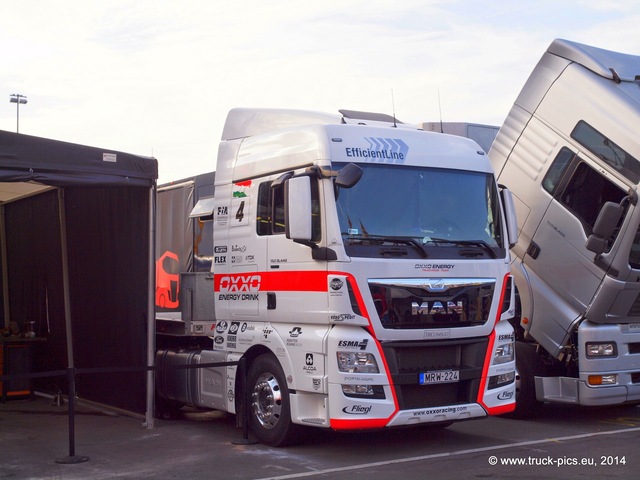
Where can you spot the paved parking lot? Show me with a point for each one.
(203, 445)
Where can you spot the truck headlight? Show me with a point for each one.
(364, 391)
(357, 362)
(501, 380)
(601, 349)
(503, 354)
(354, 390)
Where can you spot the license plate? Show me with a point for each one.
(439, 376)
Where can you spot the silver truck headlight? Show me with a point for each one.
(601, 349)
(357, 362)
(504, 354)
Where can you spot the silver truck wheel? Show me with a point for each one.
(266, 400)
(270, 412)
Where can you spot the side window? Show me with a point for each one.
(586, 192)
(606, 150)
(278, 209)
(270, 218)
(263, 215)
(270, 214)
(553, 177)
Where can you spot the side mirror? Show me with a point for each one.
(510, 216)
(348, 176)
(604, 227)
(298, 212)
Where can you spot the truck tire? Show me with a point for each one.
(270, 407)
(167, 409)
(527, 367)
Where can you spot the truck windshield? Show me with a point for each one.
(419, 212)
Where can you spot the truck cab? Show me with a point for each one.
(569, 152)
(361, 270)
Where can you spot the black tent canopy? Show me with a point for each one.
(25, 158)
(77, 238)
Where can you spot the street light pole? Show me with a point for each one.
(18, 99)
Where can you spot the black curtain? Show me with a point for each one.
(108, 251)
(108, 248)
(35, 280)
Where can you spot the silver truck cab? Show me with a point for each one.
(569, 151)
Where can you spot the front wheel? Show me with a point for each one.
(270, 406)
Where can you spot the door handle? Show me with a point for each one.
(271, 300)
(534, 250)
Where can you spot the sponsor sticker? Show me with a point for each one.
(221, 327)
(506, 395)
(309, 367)
(357, 409)
(341, 317)
(362, 344)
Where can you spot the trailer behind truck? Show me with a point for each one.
(361, 268)
(184, 256)
(569, 151)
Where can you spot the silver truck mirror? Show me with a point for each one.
(298, 208)
(604, 227)
(511, 219)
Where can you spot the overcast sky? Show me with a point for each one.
(157, 78)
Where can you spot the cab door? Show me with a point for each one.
(239, 254)
(562, 272)
(296, 283)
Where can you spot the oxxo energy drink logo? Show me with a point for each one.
(383, 150)
(239, 287)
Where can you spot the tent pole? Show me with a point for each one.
(5, 268)
(71, 371)
(151, 308)
(65, 276)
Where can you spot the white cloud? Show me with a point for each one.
(158, 77)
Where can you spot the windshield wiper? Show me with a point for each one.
(467, 243)
(403, 240)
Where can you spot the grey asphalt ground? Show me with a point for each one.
(34, 438)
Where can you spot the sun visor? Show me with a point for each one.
(204, 208)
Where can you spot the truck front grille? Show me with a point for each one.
(432, 303)
(406, 360)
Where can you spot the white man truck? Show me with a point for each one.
(569, 151)
(361, 268)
